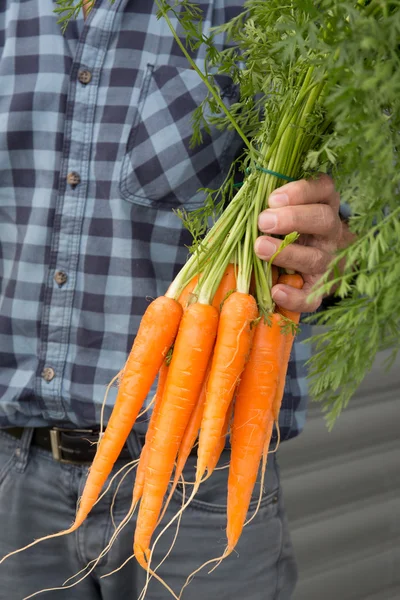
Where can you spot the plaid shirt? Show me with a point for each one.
(94, 155)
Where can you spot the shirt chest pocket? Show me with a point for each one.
(160, 169)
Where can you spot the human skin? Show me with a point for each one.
(312, 209)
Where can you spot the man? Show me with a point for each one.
(94, 155)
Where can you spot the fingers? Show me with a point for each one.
(308, 260)
(315, 219)
(311, 208)
(312, 191)
(295, 300)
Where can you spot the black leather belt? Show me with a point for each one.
(73, 446)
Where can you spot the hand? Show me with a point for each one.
(312, 209)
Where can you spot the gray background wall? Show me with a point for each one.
(342, 494)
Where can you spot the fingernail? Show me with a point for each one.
(264, 248)
(267, 221)
(279, 296)
(277, 200)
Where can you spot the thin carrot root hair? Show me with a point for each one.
(145, 559)
(278, 441)
(245, 325)
(148, 407)
(53, 535)
(136, 462)
(167, 502)
(160, 580)
(103, 404)
(263, 470)
(217, 560)
(148, 575)
(131, 464)
(39, 540)
(221, 443)
(203, 480)
(221, 468)
(226, 553)
(118, 568)
(93, 563)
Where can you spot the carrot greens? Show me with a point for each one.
(319, 92)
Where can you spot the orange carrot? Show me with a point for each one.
(140, 473)
(274, 274)
(268, 436)
(295, 281)
(191, 431)
(154, 338)
(253, 406)
(227, 285)
(192, 351)
(141, 469)
(231, 350)
(216, 454)
(188, 440)
(187, 293)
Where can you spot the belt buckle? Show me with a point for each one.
(55, 443)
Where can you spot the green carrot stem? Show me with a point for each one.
(210, 246)
(245, 260)
(308, 109)
(288, 117)
(206, 290)
(263, 287)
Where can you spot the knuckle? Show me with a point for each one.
(327, 184)
(302, 190)
(318, 261)
(329, 192)
(290, 220)
(327, 218)
(288, 256)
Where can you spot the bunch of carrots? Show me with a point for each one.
(221, 365)
(221, 355)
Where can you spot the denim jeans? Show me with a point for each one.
(38, 496)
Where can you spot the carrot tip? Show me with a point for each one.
(142, 555)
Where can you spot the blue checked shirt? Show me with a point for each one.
(94, 155)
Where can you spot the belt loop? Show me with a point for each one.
(134, 445)
(22, 450)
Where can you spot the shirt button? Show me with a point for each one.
(84, 76)
(60, 278)
(48, 374)
(73, 179)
